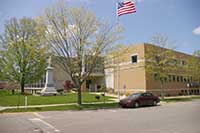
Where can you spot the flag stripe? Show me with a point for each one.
(126, 7)
(128, 12)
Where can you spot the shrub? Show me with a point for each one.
(110, 90)
(127, 93)
(68, 85)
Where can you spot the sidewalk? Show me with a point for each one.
(49, 105)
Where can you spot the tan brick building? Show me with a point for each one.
(131, 75)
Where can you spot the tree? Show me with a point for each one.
(193, 66)
(22, 52)
(79, 39)
(160, 60)
(197, 53)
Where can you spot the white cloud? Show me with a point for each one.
(196, 31)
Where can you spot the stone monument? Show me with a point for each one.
(49, 88)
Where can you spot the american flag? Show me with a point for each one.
(126, 7)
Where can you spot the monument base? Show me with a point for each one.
(49, 91)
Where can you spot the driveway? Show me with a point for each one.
(169, 118)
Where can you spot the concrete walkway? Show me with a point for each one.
(49, 105)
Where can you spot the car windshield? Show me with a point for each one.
(134, 95)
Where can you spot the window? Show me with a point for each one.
(156, 76)
(177, 78)
(182, 91)
(134, 58)
(174, 78)
(186, 92)
(185, 79)
(191, 79)
(170, 78)
(181, 78)
(157, 59)
(165, 79)
(173, 62)
(183, 62)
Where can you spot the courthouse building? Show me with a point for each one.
(131, 76)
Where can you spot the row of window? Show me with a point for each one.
(190, 92)
(172, 61)
(176, 78)
(38, 84)
(134, 59)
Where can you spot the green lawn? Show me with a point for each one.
(7, 99)
(67, 107)
(180, 99)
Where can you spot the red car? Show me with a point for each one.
(139, 99)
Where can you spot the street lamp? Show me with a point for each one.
(188, 86)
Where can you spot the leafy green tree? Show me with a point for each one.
(80, 38)
(193, 66)
(160, 61)
(22, 52)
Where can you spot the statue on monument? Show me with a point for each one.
(49, 88)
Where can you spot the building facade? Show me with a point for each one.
(131, 75)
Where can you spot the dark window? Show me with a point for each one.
(188, 80)
(177, 78)
(185, 91)
(181, 78)
(174, 78)
(157, 59)
(165, 79)
(156, 76)
(134, 58)
(183, 62)
(185, 80)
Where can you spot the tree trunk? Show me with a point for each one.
(22, 84)
(162, 91)
(13, 91)
(79, 96)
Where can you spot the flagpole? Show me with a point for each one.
(117, 17)
(118, 60)
(118, 69)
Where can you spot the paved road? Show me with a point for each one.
(168, 118)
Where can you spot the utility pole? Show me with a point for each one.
(118, 78)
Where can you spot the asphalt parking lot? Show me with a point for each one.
(168, 118)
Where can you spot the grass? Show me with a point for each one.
(67, 107)
(7, 99)
(180, 99)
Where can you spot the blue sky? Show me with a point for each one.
(177, 19)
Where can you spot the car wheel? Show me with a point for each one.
(136, 105)
(154, 103)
